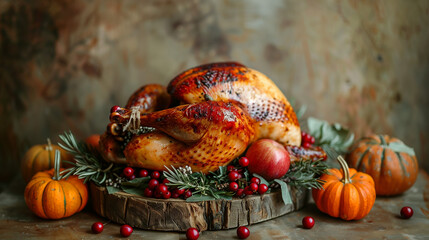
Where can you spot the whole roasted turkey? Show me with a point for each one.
(205, 118)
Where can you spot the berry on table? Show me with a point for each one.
(128, 172)
(406, 212)
(307, 222)
(126, 230)
(192, 234)
(97, 227)
(243, 232)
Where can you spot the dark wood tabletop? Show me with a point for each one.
(383, 222)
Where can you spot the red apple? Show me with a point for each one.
(268, 158)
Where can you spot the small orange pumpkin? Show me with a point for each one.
(40, 158)
(391, 163)
(52, 198)
(346, 193)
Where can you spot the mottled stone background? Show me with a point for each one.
(64, 63)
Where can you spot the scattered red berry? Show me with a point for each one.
(114, 109)
(148, 192)
(143, 173)
(155, 175)
(307, 222)
(255, 180)
(233, 186)
(153, 183)
(233, 176)
(243, 232)
(97, 227)
(187, 194)
(262, 188)
(128, 172)
(192, 234)
(126, 230)
(253, 187)
(406, 212)
(243, 161)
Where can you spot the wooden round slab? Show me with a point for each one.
(179, 215)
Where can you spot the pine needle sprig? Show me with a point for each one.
(87, 165)
(304, 173)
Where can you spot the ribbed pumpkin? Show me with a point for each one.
(40, 158)
(391, 163)
(346, 193)
(52, 198)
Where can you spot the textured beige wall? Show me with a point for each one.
(63, 64)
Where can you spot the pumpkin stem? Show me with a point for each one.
(345, 168)
(57, 162)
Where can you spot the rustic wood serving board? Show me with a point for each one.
(179, 215)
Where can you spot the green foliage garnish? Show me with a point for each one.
(306, 173)
(330, 135)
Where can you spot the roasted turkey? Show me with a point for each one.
(205, 118)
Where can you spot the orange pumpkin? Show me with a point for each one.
(40, 158)
(346, 193)
(52, 198)
(391, 163)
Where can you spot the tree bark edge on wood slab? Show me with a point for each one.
(179, 215)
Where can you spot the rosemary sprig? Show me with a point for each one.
(202, 184)
(88, 166)
(306, 174)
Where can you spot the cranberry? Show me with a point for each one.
(143, 173)
(233, 186)
(188, 194)
(175, 195)
(307, 222)
(306, 145)
(114, 108)
(307, 138)
(132, 177)
(253, 187)
(230, 168)
(128, 172)
(192, 234)
(255, 180)
(162, 188)
(166, 195)
(239, 192)
(157, 194)
(247, 191)
(303, 135)
(233, 176)
(126, 230)
(243, 232)
(406, 212)
(262, 188)
(148, 192)
(312, 140)
(155, 175)
(180, 191)
(165, 180)
(243, 161)
(97, 227)
(153, 183)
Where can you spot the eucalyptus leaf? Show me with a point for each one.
(285, 192)
(133, 190)
(334, 136)
(136, 182)
(112, 190)
(199, 197)
(401, 147)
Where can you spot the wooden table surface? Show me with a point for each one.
(383, 222)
